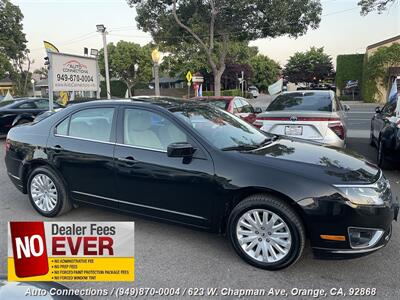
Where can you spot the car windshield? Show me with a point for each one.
(223, 130)
(308, 101)
(7, 102)
(222, 104)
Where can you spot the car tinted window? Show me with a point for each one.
(246, 108)
(146, 129)
(4, 103)
(389, 108)
(308, 101)
(62, 128)
(238, 106)
(222, 104)
(44, 104)
(92, 124)
(26, 105)
(221, 129)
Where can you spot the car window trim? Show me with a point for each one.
(182, 126)
(113, 135)
(83, 139)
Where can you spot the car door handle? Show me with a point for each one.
(57, 148)
(130, 160)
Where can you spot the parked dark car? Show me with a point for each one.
(385, 135)
(20, 111)
(191, 163)
(235, 105)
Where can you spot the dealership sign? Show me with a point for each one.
(73, 73)
(70, 251)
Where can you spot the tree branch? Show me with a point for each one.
(212, 23)
(197, 38)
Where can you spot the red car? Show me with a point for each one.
(235, 105)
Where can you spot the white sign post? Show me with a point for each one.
(72, 73)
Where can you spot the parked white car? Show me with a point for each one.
(254, 91)
(310, 114)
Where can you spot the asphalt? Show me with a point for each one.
(173, 256)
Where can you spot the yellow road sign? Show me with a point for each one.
(189, 76)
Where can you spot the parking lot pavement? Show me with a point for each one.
(173, 256)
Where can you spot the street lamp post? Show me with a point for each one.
(33, 87)
(155, 56)
(102, 29)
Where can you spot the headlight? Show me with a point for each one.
(362, 195)
(372, 194)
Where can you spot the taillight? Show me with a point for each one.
(306, 119)
(338, 129)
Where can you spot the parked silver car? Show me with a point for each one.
(310, 114)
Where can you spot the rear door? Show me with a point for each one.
(82, 147)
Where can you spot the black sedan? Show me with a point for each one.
(194, 164)
(385, 135)
(20, 111)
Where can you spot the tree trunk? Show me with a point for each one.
(217, 82)
(129, 90)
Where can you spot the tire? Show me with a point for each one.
(292, 227)
(381, 159)
(58, 202)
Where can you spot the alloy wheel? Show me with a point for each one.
(263, 235)
(44, 192)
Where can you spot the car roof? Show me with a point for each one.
(317, 92)
(164, 102)
(215, 98)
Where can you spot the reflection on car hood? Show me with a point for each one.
(329, 164)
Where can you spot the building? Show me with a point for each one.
(393, 71)
(6, 85)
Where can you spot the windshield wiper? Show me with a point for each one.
(241, 148)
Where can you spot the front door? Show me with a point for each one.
(151, 183)
(82, 148)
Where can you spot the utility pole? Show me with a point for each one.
(102, 29)
(155, 56)
(243, 84)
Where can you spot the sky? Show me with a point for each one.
(71, 25)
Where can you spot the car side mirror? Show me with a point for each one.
(378, 110)
(346, 107)
(257, 110)
(180, 150)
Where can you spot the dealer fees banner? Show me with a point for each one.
(71, 251)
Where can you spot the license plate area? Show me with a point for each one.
(293, 130)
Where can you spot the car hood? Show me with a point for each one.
(322, 163)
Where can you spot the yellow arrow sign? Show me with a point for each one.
(189, 76)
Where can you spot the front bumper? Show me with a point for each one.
(335, 218)
(328, 253)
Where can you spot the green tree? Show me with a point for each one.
(43, 72)
(309, 66)
(370, 5)
(13, 45)
(5, 66)
(128, 62)
(376, 70)
(265, 71)
(212, 25)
